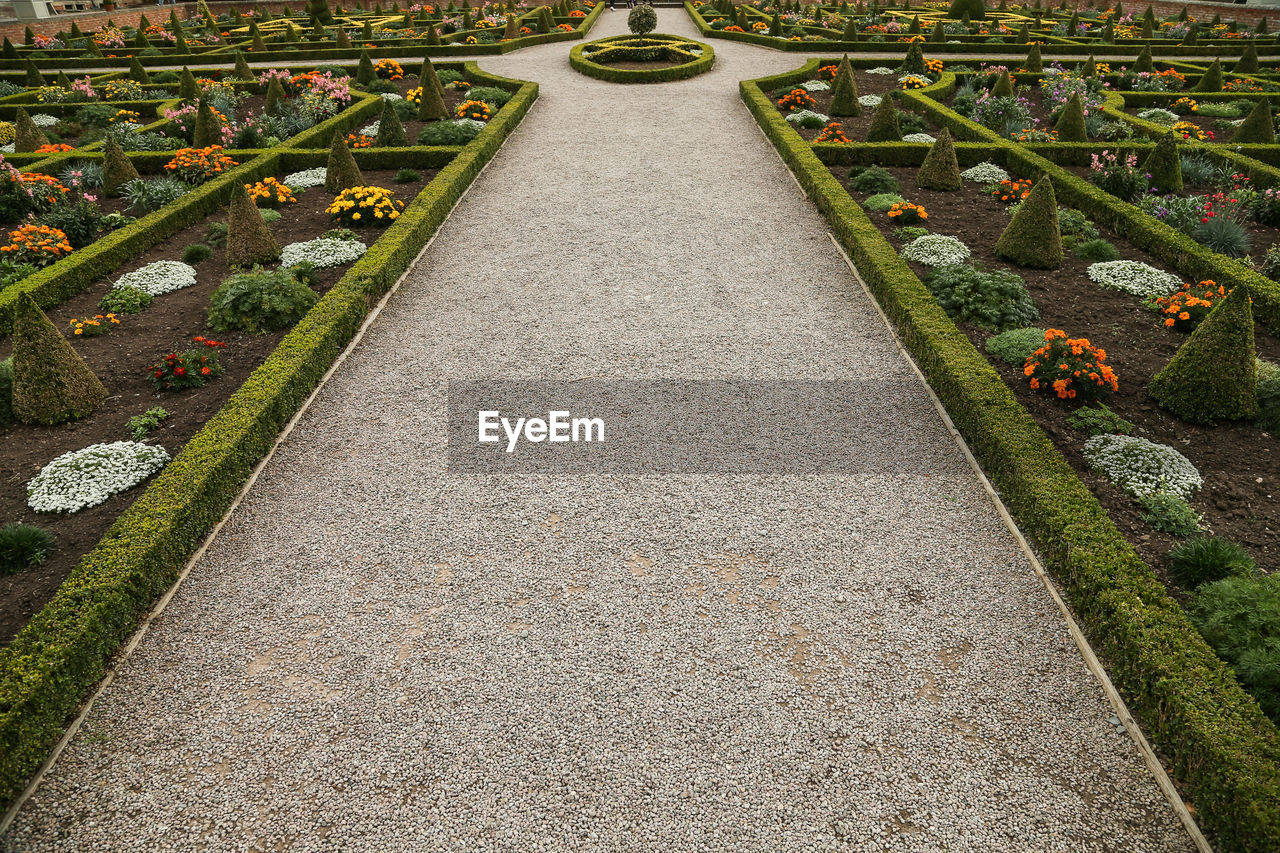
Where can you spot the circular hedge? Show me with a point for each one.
(594, 58)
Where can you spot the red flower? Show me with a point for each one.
(179, 371)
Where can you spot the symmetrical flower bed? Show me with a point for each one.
(1037, 303)
(651, 58)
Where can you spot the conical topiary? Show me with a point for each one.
(884, 123)
(26, 136)
(63, 81)
(275, 96)
(433, 38)
(257, 44)
(1213, 376)
(1164, 165)
(430, 103)
(914, 62)
(242, 70)
(390, 131)
(1034, 62)
(364, 69)
(1212, 79)
(51, 382)
(341, 172)
(180, 43)
(1033, 237)
(850, 30)
(34, 77)
(844, 91)
(1257, 126)
(1192, 38)
(137, 73)
(249, 241)
(188, 89)
(207, 130)
(11, 52)
(1090, 67)
(1070, 124)
(1003, 87)
(940, 171)
(117, 168)
(1143, 62)
(1248, 63)
(344, 40)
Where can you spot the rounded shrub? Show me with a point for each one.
(23, 546)
(458, 132)
(260, 301)
(1239, 617)
(874, 180)
(1205, 559)
(991, 299)
(1096, 251)
(880, 202)
(1015, 346)
(642, 19)
(1224, 236)
(195, 253)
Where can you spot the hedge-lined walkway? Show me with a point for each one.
(379, 654)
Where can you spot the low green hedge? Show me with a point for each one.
(1226, 753)
(690, 67)
(65, 648)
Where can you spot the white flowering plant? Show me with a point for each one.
(936, 250)
(808, 118)
(43, 120)
(1156, 115)
(306, 179)
(84, 478)
(880, 70)
(159, 277)
(815, 86)
(919, 137)
(371, 129)
(985, 173)
(1134, 277)
(323, 252)
(1142, 468)
(870, 101)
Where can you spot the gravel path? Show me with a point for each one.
(380, 654)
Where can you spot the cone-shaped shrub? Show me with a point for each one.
(140, 40)
(1213, 376)
(1003, 87)
(844, 91)
(512, 29)
(1033, 237)
(207, 130)
(1260, 30)
(258, 45)
(1212, 79)
(1148, 29)
(914, 63)
(1192, 38)
(29, 37)
(275, 96)
(545, 23)
(1090, 67)
(1248, 63)
(850, 30)
(249, 241)
(117, 168)
(90, 48)
(51, 382)
(34, 77)
(1143, 62)
(427, 76)
(137, 73)
(1070, 125)
(344, 40)
(341, 171)
(26, 136)
(938, 35)
(188, 89)
(366, 30)
(1034, 62)
(1257, 125)
(63, 80)
(884, 123)
(1164, 164)
(433, 38)
(11, 52)
(940, 171)
(242, 71)
(914, 28)
(390, 131)
(364, 70)
(180, 43)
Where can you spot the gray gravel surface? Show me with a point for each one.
(380, 654)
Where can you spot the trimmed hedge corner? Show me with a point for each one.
(1223, 749)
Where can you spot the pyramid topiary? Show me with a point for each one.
(364, 69)
(257, 44)
(51, 382)
(850, 30)
(9, 51)
(180, 43)
(1248, 63)
(940, 171)
(242, 70)
(207, 130)
(938, 35)
(63, 80)
(914, 63)
(1033, 237)
(390, 131)
(427, 76)
(341, 172)
(1213, 376)
(188, 89)
(844, 91)
(33, 77)
(1164, 165)
(117, 168)
(1143, 62)
(1070, 125)
(275, 96)
(1034, 62)
(1212, 79)
(1257, 126)
(884, 123)
(26, 136)
(1192, 38)
(249, 241)
(1003, 87)
(433, 38)
(137, 73)
(344, 40)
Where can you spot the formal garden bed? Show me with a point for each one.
(649, 58)
(1143, 469)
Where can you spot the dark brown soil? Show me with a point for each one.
(120, 360)
(854, 127)
(1238, 462)
(655, 65)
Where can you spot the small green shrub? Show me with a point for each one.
(124, 300)
(642, 19)
(1074, 226)
(269, 215)
(907, 233)
(260, 301)
(448, 76)
(874, 180)
(405, 176)
(1096, 250)
(1239, 616)
(1205, 559)
(491, 95)
(195, 253)
(80, 221)
(1170, 514)
(991, 299)
(1269, 396)
(880, 202)
(216, 234)
(1198, 170)
(140, 425)
(1098, 421)
(23, 546)
(1222, 235)
(380, 87)
(1016, 345)
(146, 196)
(448, 133)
